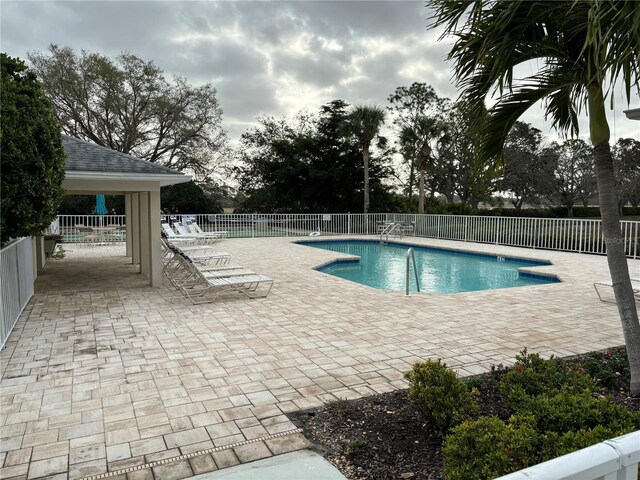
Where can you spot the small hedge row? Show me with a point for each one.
(556, 409)
(436, 207)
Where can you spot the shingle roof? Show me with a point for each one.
(83, 156)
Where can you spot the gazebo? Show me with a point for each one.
(91, 169)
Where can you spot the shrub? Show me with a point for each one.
(532, 375)
(488, 448)
(566, 412)
(444, 399)
(553, 444)
(608, 368)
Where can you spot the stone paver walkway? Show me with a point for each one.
(103, 373)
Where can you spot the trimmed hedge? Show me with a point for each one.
(557, 409)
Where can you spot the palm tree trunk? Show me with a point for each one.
(618, 266)
(365, 159)
(421, 192)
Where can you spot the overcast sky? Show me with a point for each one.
(264, 58)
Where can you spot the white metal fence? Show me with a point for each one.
(614, 459)
(91, 228)
(568, 234)
(16, 283)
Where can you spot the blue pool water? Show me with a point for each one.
(439, 270)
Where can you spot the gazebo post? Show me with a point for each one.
(145, 247)
(155, 255)
(127, 222)
(135, 229)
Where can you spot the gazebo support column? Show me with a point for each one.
(128, 221)
(135, 229)
(145, 267)
(155, 257)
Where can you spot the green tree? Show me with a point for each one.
(364, 123)
(574, 179)
(416, 145)
(32, 160)
(187, 197)
(578, 48)
(626, 163)
(408, 105)
(128, 105)
(461, 170)
(307, 165)
(528, 174)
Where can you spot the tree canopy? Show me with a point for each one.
(32, 160)
(307, 164)
(528, 174)
(129, 105)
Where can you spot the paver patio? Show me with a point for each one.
(103, 372)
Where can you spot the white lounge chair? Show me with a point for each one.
(635, 286)
(195, 228)
(183, 231)
(202, 255)
(204, 288)
(173, 237)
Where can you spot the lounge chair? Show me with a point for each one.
(635, 286)
(183, 231)
(172, 236)
(201, 287)
(202, 255)
(195, 228)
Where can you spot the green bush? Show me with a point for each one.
(566, 412)
(487, 448)
(436, 390)
(553, 444)
(532, 375)
(608, 368)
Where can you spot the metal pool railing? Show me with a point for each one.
(567, 234)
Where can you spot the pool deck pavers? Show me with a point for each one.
(104, 373)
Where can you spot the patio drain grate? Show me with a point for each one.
(190, 455)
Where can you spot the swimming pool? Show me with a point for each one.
(439, 270)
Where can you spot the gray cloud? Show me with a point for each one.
(269, 58)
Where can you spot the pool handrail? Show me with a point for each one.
(410, 254)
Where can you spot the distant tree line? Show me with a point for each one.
(416, 154)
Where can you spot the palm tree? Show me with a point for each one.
(415, 141)
(578, 48)
(364, 123)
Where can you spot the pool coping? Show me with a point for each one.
(526, 271)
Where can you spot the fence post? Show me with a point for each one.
(349, 223)
(438, 233)
(366, 218)
(253, 225)
(466, 227)
(580, 240)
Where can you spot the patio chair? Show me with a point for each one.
(635, 286)
(202, 255)
(203, 288)
(172, 236)
(183, 231)
(195, 228)
(184, 275)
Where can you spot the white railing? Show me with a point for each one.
(16, 283)
(91, 228)
(614, 459)
(567, 234)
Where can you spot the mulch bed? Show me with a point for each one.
(386, 437)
